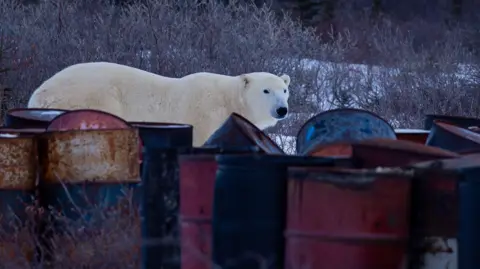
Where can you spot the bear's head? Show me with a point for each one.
(266, 98)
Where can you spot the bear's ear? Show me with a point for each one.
(286, 79)
(245, 79)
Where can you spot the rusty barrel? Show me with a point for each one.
(238, 132)
(453, 138)
(198, 169)
(18, 164)
(161, 145)
(341, 125)
(89, 188)
(380, 152)
(31, 117)
(415, 135)
(459, 121)
(343, 219)
(249, 208)
(444, 227)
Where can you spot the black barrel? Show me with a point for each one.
(249, 208)
(453, 138)
(162, 142)
(89, 189)
(469, 218)
(31, 117)
(463, 122)
(238, 132)
(341, 125)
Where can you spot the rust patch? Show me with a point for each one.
(18, 159)
(105, 156)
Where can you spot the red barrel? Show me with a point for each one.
(347, 219)
(197, 178)
(415, 135)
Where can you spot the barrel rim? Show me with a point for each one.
(11, 112)
(22, 131)
(96, 111)
(49, 133)
(307, 171)
(158, 125)
(280, 159)
(455, 130)
(415, 131)
(451, 117)
(307, 123)
(20, 136)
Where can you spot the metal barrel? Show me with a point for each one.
(459, 121)
(343, 218)
(18, 165)
(89, 189)
(198, 169)
(453, 138)
(5, 131)
(341, 125)
(30, 117)
(161, 145)
(415, 135)
(238, 132)
(249, 209)
(377, 152)
(435, 203)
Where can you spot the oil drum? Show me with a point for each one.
(162, 143)
(89, 189)
(18, 118)
(198, 169)
(341, 125)
(18, 164)
(344, 218)
(414, 135)
(249, 208)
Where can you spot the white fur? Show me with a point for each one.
(203, 100)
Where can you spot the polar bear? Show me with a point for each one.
(204, 100)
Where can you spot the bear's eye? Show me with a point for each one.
(285, 91)
(266, 91)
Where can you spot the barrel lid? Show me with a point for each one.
(84, 119)
(163, 125)
(284, 160)
(40, 114)
(22, 130)
(342, 125)
(451, 119)
(466, 162)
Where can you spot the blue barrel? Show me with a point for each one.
(162, 142)
(31, 117)
(89, 189)
(341, 125)
(250, 206)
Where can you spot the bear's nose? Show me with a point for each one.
(282, 111)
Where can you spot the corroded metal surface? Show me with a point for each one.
(18, 163)
(453, 138)
(339, 149)
(83, 119)
(31, 117)
(238, 132)
(341, 125)
(344, 218)
(388, 153)
(89, 155)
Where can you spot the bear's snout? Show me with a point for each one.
(281, 112)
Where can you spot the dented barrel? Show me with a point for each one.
(162, 143)
(88, 185)
(463, 122)
(453, 138)
(198, 169)
(341, 125)
(249, 208)
(238, 132)
(18, 165)
(343, 218)
(30, 117)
